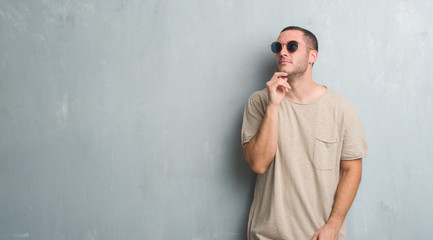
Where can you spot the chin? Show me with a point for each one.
(284, 69)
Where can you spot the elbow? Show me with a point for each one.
(258, 169)
(256, 164)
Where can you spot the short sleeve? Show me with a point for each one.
(354, 142)
(253, 115)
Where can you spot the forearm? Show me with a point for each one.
(260, 151)
(346, 191)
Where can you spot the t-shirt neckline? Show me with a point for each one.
(312, 103)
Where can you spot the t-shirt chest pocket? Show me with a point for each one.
(325, 153)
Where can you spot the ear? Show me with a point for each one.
(312, 56)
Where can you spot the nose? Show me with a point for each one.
(284, 51)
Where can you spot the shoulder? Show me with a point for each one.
(260, 97)
(339, 100)
(343, 107)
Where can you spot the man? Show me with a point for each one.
(305, 142)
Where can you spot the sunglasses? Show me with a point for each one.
(292, 46)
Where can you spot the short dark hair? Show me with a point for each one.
(310, 39)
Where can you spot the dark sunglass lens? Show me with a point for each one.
(276, 47)
(292, 46)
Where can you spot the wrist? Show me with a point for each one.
(335, 222)
(272, 107)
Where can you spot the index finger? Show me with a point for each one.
(280, 74)
(284, 82)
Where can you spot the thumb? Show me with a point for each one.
(315, 237)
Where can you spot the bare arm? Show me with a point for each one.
(261, 149)
(347, 187)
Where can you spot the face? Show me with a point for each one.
(296, 63)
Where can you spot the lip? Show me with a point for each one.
(284, 62)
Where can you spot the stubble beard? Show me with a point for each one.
(298, 71)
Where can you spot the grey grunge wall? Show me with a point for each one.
(121, 119)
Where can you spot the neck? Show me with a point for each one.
(304, 90)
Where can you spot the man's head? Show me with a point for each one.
(297, 62)
(310, 38)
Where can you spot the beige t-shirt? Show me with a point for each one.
(294, 197)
